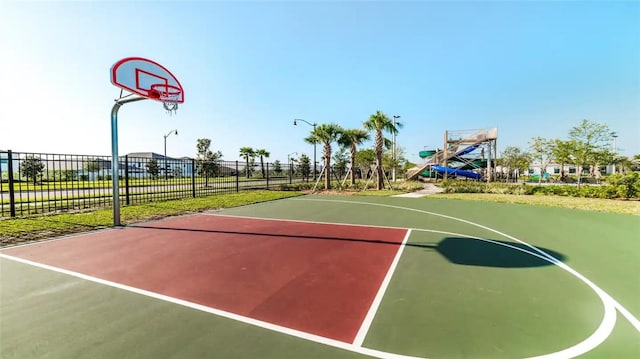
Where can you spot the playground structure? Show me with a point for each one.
(466, 153)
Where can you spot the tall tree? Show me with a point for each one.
(380, 123)
(588, 138)
(600, 158)
(92, 165)
(514, 158)
(206, 159)
(69, 175)
(263, 154)
(277, 167)
(351, 139)
(398, 162)
(325, 134)
(247, 153)
(31, 168)
(340, 161)
(305, 166)
(541, 151)
(153, 168)
(562, 154)
(365, 160)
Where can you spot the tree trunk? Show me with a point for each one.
(579, 171)
(353, 165)
(379, 144)
(262, 166)
(327, 166)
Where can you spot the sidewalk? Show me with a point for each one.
(429, 188)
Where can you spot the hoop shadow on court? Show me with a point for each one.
(457, 250)
(475, 252)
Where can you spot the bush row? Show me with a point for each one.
(405, 186)
(616, 186)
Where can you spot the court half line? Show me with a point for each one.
(373, 309)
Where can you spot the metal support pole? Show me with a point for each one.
(614, 135)
(115, 186)
(295, 123)
(12, 194)
(489, 162)
(393, 150)
(267, 175)
(193, 178)
(237, 178)
(446, 148)
(126, 178)
(166, 169)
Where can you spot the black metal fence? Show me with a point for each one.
(36, 183)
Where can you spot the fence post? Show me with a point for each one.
(290, 173)
(12, 195)
(193, 178)
(267, 175)
(237, 178)
(126, 178)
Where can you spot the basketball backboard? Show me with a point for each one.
(147, 78)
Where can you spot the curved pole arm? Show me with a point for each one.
(115, 186)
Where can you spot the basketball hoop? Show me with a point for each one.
(148, 80)
(169, 95)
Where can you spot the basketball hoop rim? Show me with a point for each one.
(169, 90)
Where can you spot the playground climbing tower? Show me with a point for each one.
(465, 153)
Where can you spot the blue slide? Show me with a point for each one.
(457, 172)
(467, 150)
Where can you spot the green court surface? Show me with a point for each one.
(466, 284)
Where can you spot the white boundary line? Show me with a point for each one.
(218, 312)
(373, 309)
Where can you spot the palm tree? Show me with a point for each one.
(352, 138)
(262, 153)
(379, 122)
(325, 134)
(247, 152)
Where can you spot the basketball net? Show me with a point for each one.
(169, 96)
(170, 105)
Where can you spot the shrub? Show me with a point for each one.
(408, 186)
(626, 186)
(451, 186)
(618, 186)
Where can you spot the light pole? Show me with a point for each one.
(165, 151)
(393, 150)
(289, 162)
(614, 135)
(314, 142)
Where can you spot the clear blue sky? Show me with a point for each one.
(250, 68)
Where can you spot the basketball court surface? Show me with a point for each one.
(331, 277)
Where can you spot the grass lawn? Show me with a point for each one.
(19, 230)
(587, 204)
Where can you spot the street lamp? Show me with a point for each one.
(165, 151)
(614, 135)
(393, 150)
(289, 161)
(314, 142)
